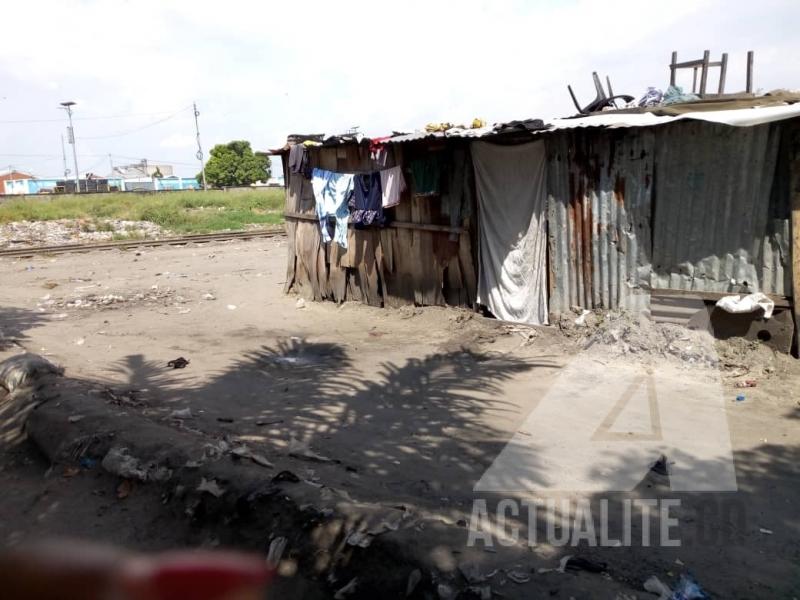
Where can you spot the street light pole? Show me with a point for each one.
(199, 147)
(64, 157)
(71, 139)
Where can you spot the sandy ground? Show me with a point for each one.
(412, 406)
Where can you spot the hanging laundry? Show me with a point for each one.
(332, 192)
(365, 202)
(457, 201)
(426, 173)
(393, 184)
(298, 160)
(378, 151)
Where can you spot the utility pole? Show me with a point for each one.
(64, 157)
(71, 139)
(199, 146)
(110, 166)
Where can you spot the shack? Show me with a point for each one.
(531, 220)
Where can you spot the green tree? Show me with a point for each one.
(234, 164)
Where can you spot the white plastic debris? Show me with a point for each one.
(301, 449)
(562, 566)
(581, 321)
(747, 304)
(518, 576)
(181, 413)
(245, 452)
(413, 580)
(655, 586)
(118, 461)
(231, 307)
(445, 592)
(210, 486)
(276, 550)
(19, 370)
(300, 303)
(765, 531)
(209, 297)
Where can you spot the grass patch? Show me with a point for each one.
(182, 212)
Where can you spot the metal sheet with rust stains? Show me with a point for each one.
(719, 225)
(599, 198)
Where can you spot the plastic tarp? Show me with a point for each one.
(510, 181)
(747, 304)
(742, 117)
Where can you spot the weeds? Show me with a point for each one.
(181, 212)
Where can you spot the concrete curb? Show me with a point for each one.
(331, 539)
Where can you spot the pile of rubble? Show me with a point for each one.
(155, 295)
(24, 234)
(618, 333)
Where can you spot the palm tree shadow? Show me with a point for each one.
(14, 322)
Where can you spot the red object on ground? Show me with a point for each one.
(197, 576)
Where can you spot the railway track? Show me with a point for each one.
(124, 244)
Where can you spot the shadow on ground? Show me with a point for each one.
(14, 322)
(428, 427)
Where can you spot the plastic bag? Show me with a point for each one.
(19, 370)
(748, 303)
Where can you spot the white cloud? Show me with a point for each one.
(261, 70)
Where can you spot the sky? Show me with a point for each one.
(261, 70)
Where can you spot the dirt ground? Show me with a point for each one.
(399, 408)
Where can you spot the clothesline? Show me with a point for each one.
(356, 198)
(394, 224)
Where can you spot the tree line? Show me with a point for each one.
(235, 164)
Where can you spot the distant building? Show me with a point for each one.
(58, 185)
(154, 184)
(140, 170)
(11, 175)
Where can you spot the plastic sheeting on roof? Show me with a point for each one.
(742, 117)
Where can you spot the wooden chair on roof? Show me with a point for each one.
(703, 65)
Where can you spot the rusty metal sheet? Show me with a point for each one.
(712, 228)
(599, 192)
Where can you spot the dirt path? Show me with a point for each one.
(410, 406)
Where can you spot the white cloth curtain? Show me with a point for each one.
(510, 181)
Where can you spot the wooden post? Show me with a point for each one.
(749, 88)
(672, 68)
(723, 69)
(704, 73)
(794, 190)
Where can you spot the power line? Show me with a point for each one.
(31, 155)
(96, 118)
(122, 133)
(97, 164)
(156, 160)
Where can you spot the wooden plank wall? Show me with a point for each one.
(392, 266)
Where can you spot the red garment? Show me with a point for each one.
(376, 144)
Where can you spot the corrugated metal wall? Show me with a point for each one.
(599, 197)
(715, 196)
(712, 228)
